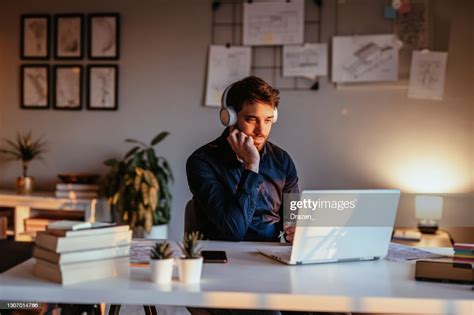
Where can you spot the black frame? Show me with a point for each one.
(88, 100)
(56, 38)
(22, 87)
(90, 35)
(22, 36)
(54, 87)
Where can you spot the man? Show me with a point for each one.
(238, 180)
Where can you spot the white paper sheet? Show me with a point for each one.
(365, 58)
(398, 252)
(427, 74)
(225, 66)
(308, 60)
(273, 23)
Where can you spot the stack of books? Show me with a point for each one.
(37, 224)
(71, 251)
(463, 252)
(77, 191)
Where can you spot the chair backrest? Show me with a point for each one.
(190, 219)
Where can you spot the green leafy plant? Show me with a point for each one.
(190, 245)
(161, 251)
(24, 149)
(137, 186)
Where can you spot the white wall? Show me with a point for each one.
(384, 140)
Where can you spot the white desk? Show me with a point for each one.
(45, 201)
(252, 281)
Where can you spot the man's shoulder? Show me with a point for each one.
(207, 151)
(278, 152)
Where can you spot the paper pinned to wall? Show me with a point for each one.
(367, 58)
(308, 60)
(225, 66)
(427, 74)
(273, 23)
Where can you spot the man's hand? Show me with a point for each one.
(290, 234)
(245, 149)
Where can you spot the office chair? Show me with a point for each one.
(190, 219)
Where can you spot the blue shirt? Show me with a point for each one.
(235, 204)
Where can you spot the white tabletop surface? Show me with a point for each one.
(252, 281)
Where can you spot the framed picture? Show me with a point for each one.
(34, 86)
(34, 37)
(68, 41)
(104, 36)
(67, 87)
(102, 90)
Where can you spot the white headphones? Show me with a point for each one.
(228, 115)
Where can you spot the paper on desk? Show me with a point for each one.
(398, 252)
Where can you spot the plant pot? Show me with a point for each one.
(24, 185)
(158, 232)
(161, 270)
(190, 269)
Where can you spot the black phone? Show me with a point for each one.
(442, 271)
(214, 256)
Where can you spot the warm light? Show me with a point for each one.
(430, 175)
(428, 207)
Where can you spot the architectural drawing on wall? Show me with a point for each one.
(68, 36)
(104, 30)
(35, 86)
(427, 75)
(225, 65)
(102, 87)
(365, 58)
(308, 60)
(273, 23)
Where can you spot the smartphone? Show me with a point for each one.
(441, 271)
(214, 256)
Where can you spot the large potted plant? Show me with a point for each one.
(137, 188)
(24, 149)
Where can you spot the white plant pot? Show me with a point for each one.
(158, 232)
(161, 270)
(190, 270)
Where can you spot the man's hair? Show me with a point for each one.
(251, 90)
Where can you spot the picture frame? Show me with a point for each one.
(35, 36)
(102, 87)
(34, 86)
(69, 36)
(104, 36)
(68, 87)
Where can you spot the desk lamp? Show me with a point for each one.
(428, 210)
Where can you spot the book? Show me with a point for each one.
(95, 229)
(81, 272)
(81, 256)
(463, 246)
(61, 244)
(76, 194)
(69, 225)
(77, 187)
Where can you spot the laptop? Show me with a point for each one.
(338, 226)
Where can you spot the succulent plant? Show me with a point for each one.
(190, 245)
(161, 251)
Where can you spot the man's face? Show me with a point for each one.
(255, 120)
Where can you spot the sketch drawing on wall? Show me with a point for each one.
(365, 58)
(225, 65)
(34, 36)
(427, 74)
(68, 87)
(273, 23)
(102, 87)
(104, 36)
(308, 60)
(34, 86)
(68, 41)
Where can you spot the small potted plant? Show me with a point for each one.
(190, 264)
(24, 149)
(161, 263)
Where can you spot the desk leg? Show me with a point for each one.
(114, 309)
(21, 213)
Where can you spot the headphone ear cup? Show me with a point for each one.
(275, 115)
(228, 116)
